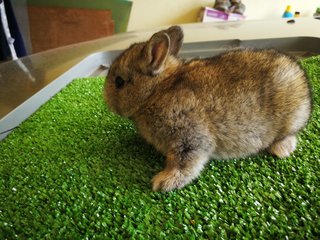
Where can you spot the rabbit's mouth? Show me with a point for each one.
(109, 102)
(112, 107)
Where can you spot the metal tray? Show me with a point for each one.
(97, 64)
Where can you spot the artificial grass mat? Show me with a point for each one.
(74, 170)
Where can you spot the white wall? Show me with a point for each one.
(147, 14)
(262, 9)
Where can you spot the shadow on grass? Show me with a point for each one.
(118, 152)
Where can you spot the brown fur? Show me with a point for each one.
(231, 105)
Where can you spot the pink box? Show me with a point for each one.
(213, 15)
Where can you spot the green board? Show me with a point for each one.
(120, 8)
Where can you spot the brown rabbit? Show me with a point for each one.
(227, 106)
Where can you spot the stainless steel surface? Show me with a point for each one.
(21, 79)
(299, 47)
(31, 104)
(28, 83)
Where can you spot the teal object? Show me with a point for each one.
(287, 13)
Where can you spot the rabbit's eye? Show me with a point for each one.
(119, 82)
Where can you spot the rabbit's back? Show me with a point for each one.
(248, 99)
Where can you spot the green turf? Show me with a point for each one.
(74, 170)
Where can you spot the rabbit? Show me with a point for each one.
(232, 105)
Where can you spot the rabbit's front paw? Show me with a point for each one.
(168, 180)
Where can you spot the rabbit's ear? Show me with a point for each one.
(176, 38)
(156, 51)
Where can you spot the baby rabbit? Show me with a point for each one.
(228, 106)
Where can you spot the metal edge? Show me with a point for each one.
(93, 61)
(27, 108)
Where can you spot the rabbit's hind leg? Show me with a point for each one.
(284, 147)
(179, 172)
